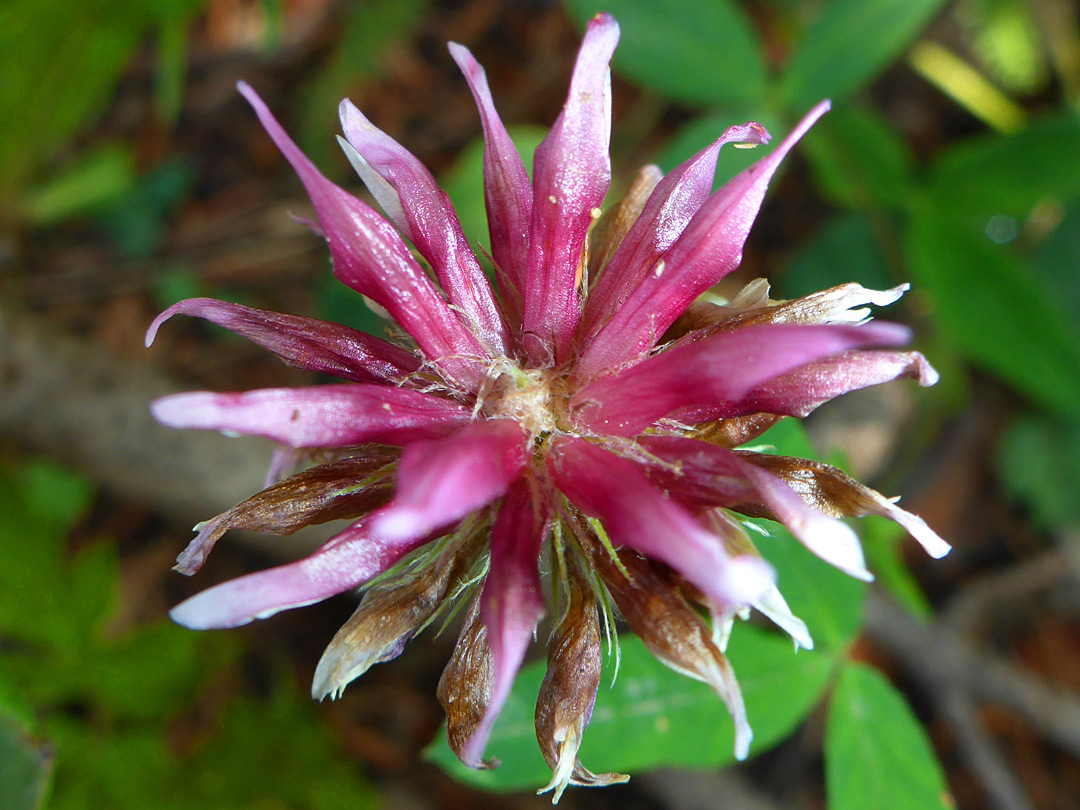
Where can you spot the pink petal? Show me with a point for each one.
(512, 601)
(317, 416)
(799, 392)
(370, 257)
(709, 248)
(825, 536)
(348, 560)
(676, 198)
(306, 343)
(636, 515)
(571, 175)
(714, 372)
(507, 190)
(416, 204)
(442, 481)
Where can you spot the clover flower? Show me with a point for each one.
(566, 446)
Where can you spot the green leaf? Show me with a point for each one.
(876, 753)
(97, 178)
(1056, 262)
(653, 716)
(845, 249)
(883, 543)
(859, 159)
(848, 44)
(992, 308)
(686, 50)
(25, 767)
(1007, 175)
(1038, 463)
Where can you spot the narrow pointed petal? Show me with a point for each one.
(337, 491)
(348, 560)
(442, 481)
(465, 687)
(568, 693)
(305, 343)
(392, 611)
(370, 257)
(772, 603)
(709, 248)
(799, 392)
(635, 514)
(512, 601)
(317, 416)
(821, 533)
(715, 372)
(424, 213)
(617, 221)
(676, 199)
(672, 631)
(835, 492)
(571, 175)
(507, 190)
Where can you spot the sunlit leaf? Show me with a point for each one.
(686, 50)
(876, 753)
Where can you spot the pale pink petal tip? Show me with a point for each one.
(747, 578)
(923, 534)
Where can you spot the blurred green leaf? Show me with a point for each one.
(876, 753)
(172, 68)
(97, 178)
(653, 716)
(1006, 175)
(849, 43)
(368, 32)
(992, 308)
(1056, 262)
(844, 249)
(858, 159)
(25, 767)
(686, 50)
(136, 220)
(1038, 462)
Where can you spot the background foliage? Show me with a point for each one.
(97, 710)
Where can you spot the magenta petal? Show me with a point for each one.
(825, 536)
(507, 189)
(413, 200)
(715, 371)
(636, 515)
(512, 602)
(302, 342)
(709, 248)
(571, 175)
(442, 481)
(348, 560)
(317, 416)
(676, 198)
(370, 257)
(799, 392)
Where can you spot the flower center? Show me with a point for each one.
(524, 395)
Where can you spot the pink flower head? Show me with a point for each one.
(582, 416)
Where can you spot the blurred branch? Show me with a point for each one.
(945, 661)
(68, 399)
